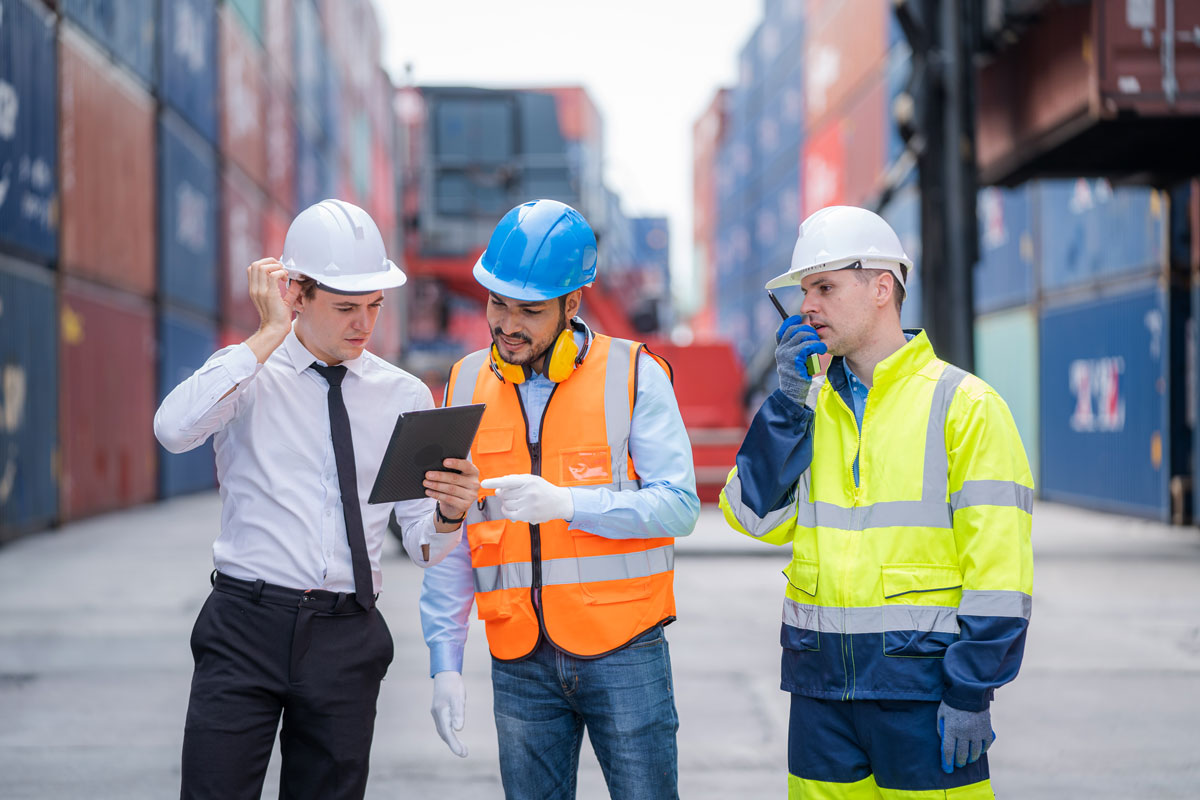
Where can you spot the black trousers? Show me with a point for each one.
(262, 651)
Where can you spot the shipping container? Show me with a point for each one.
(108, 182)
(184, 343)
(250, 15)
(1089, 230)
(125, 28)
(1093, 89)
(903, 213)
(106, 401)
(29, 210)
(1004, 276)
(28, 399)
(243, 98)
(1103, 386)
(244, 217)
(312, 177)
(188, 53)
(188, 214)
(846, 42)
(281, 148)
(277, 29)
(1006, 356)
(309, 63)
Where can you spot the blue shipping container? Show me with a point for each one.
(184, 344)
(313, 180)
(123, 27)
(28, 399)
(309, 67)
(1004, 275)
(187, 217)
(903, 213)
(28, 130)
(1104, 403)
(1087, 231)
(189, 57)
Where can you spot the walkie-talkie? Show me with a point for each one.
(813, 362)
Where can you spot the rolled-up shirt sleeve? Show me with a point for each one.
(667, 503)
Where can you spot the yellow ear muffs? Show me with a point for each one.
(563, 357)
(505, 371)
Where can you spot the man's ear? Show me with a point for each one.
(884, 289)
(571, 308)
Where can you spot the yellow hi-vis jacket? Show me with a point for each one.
(915, 581)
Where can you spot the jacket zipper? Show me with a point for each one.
(535, 468)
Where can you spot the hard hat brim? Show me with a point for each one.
(793, 277)
(515, 290)
(390, 278)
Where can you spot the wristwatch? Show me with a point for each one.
(444, 519)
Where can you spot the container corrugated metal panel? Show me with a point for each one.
(1006, 356)
(188, 214)
(312, 178)
(250, 15)
(1090, 230)
(846, 43)
(1004, 275)
(275, 227)
(123, 27)
(281, 148)
(188, 52)
(309, 67)
(382, 201)
(28, 399)
(243, 210)
(105, 410)
(243, 98)
(28, 152)
(277, 28)
(330, 111)
(107, 131)
(184, 344)
(1103, 384)
(824, 168)
(1131, 71)
(864, 137)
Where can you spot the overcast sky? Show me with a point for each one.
(651, 66)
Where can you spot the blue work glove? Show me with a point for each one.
(966, 735)
(795, 342)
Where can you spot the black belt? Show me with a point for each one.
(262, 592)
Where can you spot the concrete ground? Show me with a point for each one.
(94, 666)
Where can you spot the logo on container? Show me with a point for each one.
(1099, 403)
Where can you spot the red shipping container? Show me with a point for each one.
(243, 228)
(108, 181)
(847, 42)
(243, 99)
(386, 338)
(106, 407)
(830, 177)
(381, 204)
(277, 31)
(281, 148)
(824, 169)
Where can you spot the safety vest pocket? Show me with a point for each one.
(920, 609)
(493, 440)
(611, 577)
(492, 576)
(590, 466)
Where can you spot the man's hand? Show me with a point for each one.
(795, 342)
(456, 491)
(275, 300)
(966, 735)
(531, 498)
(449, 709)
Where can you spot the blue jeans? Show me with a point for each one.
(625, 700)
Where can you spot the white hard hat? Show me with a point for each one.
(338, 245)
(844, 236)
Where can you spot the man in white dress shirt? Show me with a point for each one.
(301, 415)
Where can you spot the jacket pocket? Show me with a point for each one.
(492, 599)
(801, 628)
(920, 609)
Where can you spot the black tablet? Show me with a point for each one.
(419, 442)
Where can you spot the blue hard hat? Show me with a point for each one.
(539, 250)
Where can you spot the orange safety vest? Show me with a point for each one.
(597, 594)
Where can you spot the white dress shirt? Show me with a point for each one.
(281, 515)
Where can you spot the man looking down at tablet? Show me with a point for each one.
(301, 413)
(570, 561)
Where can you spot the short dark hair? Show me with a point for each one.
(898, 295)
(308, 287)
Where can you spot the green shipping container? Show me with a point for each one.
(1006, 356)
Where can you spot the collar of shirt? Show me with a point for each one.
(301, 359)
(858, 390)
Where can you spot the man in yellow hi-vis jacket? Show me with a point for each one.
(905, 493)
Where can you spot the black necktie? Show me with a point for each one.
(343, 455)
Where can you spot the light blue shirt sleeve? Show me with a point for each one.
(447, 595)
(667, 503)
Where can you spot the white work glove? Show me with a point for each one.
(449, 709)
(531, 498)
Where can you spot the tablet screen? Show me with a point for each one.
(419, 443)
